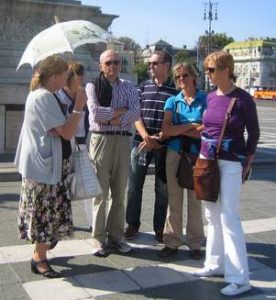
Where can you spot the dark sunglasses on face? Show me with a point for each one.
(72, 73)
(184, 76)
(210, 70)
(155, 63)
(112, 62)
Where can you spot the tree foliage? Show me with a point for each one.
(141, 69)
(184, 56)
(218, 42)
(129, 44)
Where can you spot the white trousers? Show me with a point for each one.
(225, 248)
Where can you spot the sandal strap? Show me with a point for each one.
(40, 261)
(50, 273)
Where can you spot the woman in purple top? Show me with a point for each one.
(225, 248)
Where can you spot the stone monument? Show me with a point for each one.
(20, 21)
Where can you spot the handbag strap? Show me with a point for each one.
(77, 144)
(226, 118)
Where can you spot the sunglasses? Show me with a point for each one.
(155, 63)
(72, 73)
(210, 70)
(184, 76)
(112, 62)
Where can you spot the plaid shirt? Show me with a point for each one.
(124, 94)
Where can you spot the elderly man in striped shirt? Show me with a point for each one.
(113, 106)
(153, 95)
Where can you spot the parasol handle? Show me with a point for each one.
(70, 60)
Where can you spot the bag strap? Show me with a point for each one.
(77, 144)
(226, 119)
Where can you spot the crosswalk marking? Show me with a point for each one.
(66, 248)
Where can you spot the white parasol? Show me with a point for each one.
(63, 37)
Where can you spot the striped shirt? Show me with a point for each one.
(152, 99)
(124, 94)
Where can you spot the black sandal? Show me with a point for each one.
(53, 245)
(50, 273)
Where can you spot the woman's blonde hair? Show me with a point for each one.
(191, 70)
(50, 66)
(223, 60)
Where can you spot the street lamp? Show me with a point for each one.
(210, 16)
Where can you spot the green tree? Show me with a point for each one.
(130, 45)
(141, 69)
(181, 55)
(184, 55)
(218, 42)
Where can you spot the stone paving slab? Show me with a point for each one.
(168, 273)
(143, 279)
(109, 282)
(60, 288)
(154, 276)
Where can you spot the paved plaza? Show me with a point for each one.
(142, 274)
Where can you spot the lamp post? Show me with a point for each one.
(210, 14)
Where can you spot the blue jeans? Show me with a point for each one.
(137, 175)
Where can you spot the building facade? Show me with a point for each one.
(255, 63)
(20, 21)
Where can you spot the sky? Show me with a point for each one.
(180, 22)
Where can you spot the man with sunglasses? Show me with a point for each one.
(153, 95)
(113, 107)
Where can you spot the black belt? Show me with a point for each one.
(126, 133)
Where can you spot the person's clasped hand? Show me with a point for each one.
(151, 143)
(81, 98)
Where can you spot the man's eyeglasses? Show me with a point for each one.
(155, 63)
(184, 76)
(210, 70)
(112, 62)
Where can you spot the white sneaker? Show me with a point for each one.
(120, 245)
(207, 272)
(235, 289)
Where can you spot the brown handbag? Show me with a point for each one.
(206, 173)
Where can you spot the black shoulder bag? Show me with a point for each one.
(186, 163)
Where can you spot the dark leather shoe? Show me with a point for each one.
(130, 232)
(159, 235)
(195, 254)
(167, 251)
(50, 273)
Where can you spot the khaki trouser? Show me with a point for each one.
(111, 156)
(172, 236)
